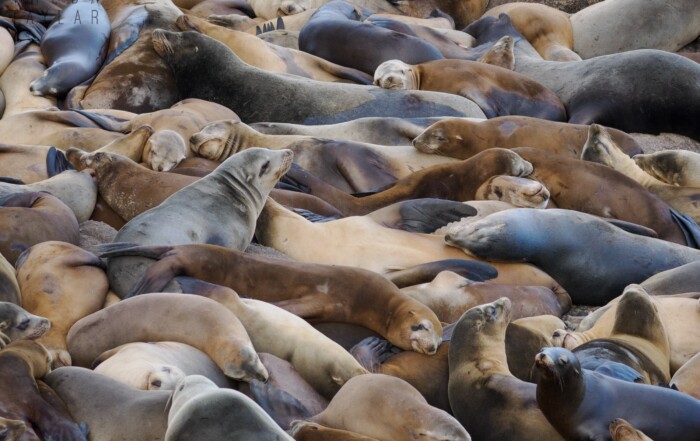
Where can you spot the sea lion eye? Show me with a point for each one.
(24, 325)
(264, 168)
(418, 327)
(157, 383)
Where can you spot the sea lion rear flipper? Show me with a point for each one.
(428, 215)
(690, 228)
(56, 162)
(279, 404)
(107, 122)
(424, 273)
(633, 228)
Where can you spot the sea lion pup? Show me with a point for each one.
(602, 149)
(629, 202)
(638, 340)
(166, 317)
(450, 295)
(32, 218)
(687, 378)
(18, 324)
(308, 101)
(232, 196)
(581, 404)
(621, 430)
(11, 430)
(547, 29)
(497, 91)
(92, 398)
(543, 238)
(258, 53)
(21, 364)
(145, 365)
(462, 138)
(675, 167)
(457, 181)
(75, 189)
(317, 292)
(676, 312)
(306, 431)
(479, 378)
(377, 406)
(71, 285)
(367, 244)
(200, 410)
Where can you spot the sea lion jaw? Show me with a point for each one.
(597, 147)
(11, 430)
(394, 74)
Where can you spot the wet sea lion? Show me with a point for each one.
(675, 167)
(172, 318)
(479, 379)
(497, 91)
(232, 195)
(308, 101)
(581, 404)
(543, 238)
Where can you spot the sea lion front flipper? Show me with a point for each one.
(426, 272)
(56, 162)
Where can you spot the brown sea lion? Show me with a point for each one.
(497, 91)
(463, 12)
(171, 318)
(461, 139)
(63, 283)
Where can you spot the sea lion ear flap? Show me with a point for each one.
(633, 228)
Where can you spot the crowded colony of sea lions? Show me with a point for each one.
(338, 220)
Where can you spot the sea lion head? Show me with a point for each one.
(82, 160)
(19, 324)
(54, 80)
(599, 147)
(11, 430)
(163, 377)
(479, 335)
(416, 327)
(395, 74)
(164, 150)
(520, 192)
(218, 140)
(621, 430)
(558, 365)
(441, 138)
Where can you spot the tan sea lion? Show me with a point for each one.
(32, 218)
(479, 379)
(602, 149)
(171, 318)
(460, 138)
(14, 82)
(63, 283)
(497, 91)
(393, 399)
(621, 430)
(675, 167)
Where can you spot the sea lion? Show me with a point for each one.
(18, 324)
(92, 398)
(171, 318)
(32, 218)
(519, 192)
(679, 280)
(63, 283)
(675, 167)
(479, 379)
(21, 363)
(157, 365)
(602, 149)
(579, 415)
(9, 288)
(31, 163)
(450, 295)
(319, 37)
(457, 181)
(462, 12)
(675, 311)
(74, 48)
(461, 139)
(542, 237)
(306, 431)
(232, 195)
(392, 399)
(390, 249)
(613, 26)
(501, 54)
(11, 430)
(497, 91)
(318, 292)
(27, 66)
(258, 53)
(77, 190)
(200, 410)
(629, 202)
(686, 379)
(524, 339)
(547, 29)
(621, 430)
(308, 101)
